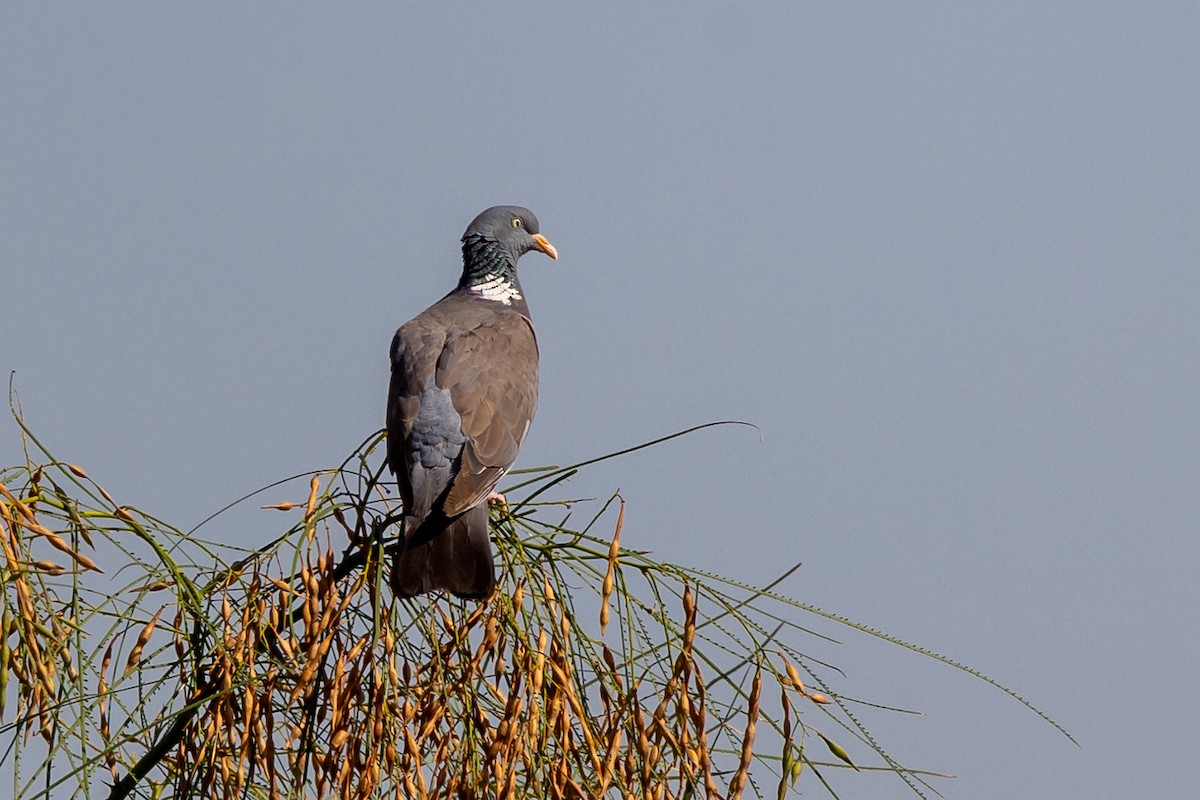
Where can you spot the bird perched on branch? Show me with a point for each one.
(463, 392)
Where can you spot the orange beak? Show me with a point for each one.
(545, 246)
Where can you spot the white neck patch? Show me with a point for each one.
(495, 287)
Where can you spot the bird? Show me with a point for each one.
(463, 391)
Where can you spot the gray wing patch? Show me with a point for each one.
(434, 448)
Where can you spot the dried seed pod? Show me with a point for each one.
(313, 487)
(738, 782)
(59, 543)
(135, 653)
(5, 654)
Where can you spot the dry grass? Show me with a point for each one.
(293, 672)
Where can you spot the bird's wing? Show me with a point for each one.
(422, 465)
(462, 394)
(491, 372)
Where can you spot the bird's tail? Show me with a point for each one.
(457, 559)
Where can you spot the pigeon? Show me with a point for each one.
(463, 392)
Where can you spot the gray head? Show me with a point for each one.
(513, 228)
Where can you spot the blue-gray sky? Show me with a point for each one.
(945, 256)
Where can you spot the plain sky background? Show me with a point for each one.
(946, 255)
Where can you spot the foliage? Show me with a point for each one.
(142, 658)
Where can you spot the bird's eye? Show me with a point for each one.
(516, 223)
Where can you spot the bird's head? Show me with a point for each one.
(513, 228)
